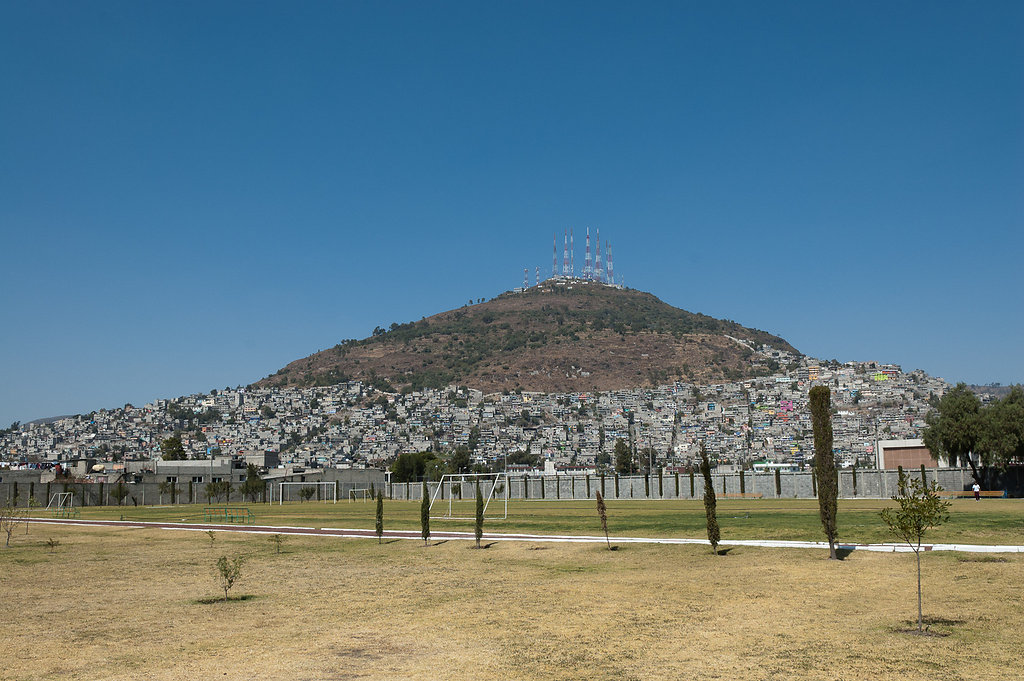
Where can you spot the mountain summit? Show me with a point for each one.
(563, 335)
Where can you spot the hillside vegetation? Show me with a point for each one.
(558, 337)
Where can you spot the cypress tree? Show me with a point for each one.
(647, 485)
(778, 483)
(425, 514)
(924, 476)
(588, 485)
(380, 519)
(825, 463)
(743, 483)
(526, 487)
(602, 513)
(616, 485)
(661, 484)
(692, 491)
(558, 489)
(677, 484)
(478, 528)
(542, 490)
(714, 534)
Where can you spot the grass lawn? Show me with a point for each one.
(127, 604)
(992, 521)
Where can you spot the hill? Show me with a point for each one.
(561, 336)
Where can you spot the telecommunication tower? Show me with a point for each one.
(588, 271)
(611, 277)
(565, 254)
(554, 255)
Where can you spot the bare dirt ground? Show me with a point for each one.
(124, 604)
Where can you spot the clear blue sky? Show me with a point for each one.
(193, 194)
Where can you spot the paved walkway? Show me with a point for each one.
(493, 537)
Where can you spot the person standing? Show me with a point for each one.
(977, 492)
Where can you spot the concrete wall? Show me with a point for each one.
(28, 485)
(870, 484)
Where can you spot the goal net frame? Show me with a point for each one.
(332, 496)
(501, 498)
(61, 501)
(359, 494)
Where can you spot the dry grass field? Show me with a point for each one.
(125, 604)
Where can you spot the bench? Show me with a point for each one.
(968, 494)
(65, 513)
(228, 514)
(740, 495)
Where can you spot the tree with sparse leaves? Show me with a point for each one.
(229, 571)
(710, 502)
(825, 463)
(10, 517)
(920, 509)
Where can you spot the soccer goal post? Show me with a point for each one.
(493, 488)
(61, 501)
(306, 491)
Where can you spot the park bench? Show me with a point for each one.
(65, 512)
(989, 493)
(741, 495)
(228, 514)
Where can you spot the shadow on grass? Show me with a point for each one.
(220, 599)
(843, 554)
(928, 622)
(724, 552)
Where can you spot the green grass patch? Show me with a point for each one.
(998, 522)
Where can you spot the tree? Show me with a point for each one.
(167, 487)
(1000, 432)
(825, 463)
(602, 513)
(379, 526)
(216, 490)
(952, 429)
(714, 534)
(478, 528)
(254, 484)
(229, 571)
(425, 514)
(10, 517)
(459, 461)
(920, 509)
(623, 458)
(306, 493)
(411, 466)
(172, 450)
